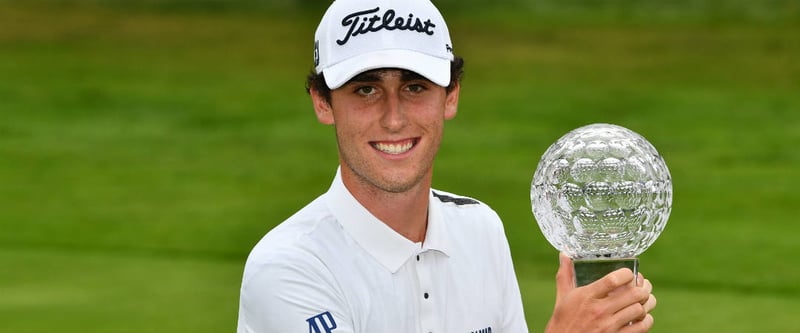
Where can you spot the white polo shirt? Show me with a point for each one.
(335, 268)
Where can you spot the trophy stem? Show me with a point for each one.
(588, 271)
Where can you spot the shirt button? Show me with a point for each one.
(418, 257)
(425, 295)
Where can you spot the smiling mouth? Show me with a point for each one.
(394, 148)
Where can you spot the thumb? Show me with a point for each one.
(565, 278)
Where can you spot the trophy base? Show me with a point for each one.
(588, 271)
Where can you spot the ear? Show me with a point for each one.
(322, 108)
(451, 102)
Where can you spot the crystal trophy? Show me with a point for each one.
(602, 194)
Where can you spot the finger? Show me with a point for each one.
(625, 296)
(648, 287)
(645, 283)
(632, 313)
(601, 288)
(645, 287)
(650, 304)
(643, 325)
(565, 278)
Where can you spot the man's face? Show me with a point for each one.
(389, 125)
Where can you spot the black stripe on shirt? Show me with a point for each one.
(458, 201)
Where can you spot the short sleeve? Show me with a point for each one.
(513, 313)
(291, 298)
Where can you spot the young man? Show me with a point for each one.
(381, 251)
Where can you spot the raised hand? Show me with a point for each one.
(613, 304)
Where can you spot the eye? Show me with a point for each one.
(365, 90)
(416, 88)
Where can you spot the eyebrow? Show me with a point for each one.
(370, 76)
(375, 76)
(412, 76)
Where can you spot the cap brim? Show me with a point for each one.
(431, 67)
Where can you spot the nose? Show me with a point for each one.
(394, 116)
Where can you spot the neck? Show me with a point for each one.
(406, 213)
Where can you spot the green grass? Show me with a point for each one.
(146, 146)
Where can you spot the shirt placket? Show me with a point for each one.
(427, 296)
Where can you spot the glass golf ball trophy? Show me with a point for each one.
(601, 194)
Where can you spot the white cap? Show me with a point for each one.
(356, 36)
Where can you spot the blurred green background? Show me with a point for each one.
(146, 146)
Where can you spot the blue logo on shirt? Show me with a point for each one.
(321, 323)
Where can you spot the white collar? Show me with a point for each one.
(387, 246)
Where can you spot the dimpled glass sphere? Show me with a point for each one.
(601, 191)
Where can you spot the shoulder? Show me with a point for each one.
(466, 211)
(296, 245)
(453, 204)
(475, 231)
(287, 279)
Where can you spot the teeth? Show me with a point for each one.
(394, 148)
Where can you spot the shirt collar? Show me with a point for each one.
(387, 246)
(436, 237)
